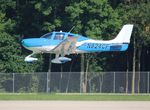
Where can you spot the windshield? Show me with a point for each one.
(59, 36)
(48, 36)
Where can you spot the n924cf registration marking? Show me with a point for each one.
(97, 46)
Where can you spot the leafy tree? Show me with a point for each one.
(10, 50)
(11, 57)
(94, 19)
(137, 13)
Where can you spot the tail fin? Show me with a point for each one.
(125, 34)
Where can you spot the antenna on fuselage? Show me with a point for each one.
(71, 29)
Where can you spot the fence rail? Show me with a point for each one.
(75, 82)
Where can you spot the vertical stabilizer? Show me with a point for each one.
(124, 35)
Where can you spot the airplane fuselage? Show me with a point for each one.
(84, 45)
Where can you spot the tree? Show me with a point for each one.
(137, 13)
(10, 51)
(94, 19)
(11, 57)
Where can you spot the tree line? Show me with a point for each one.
(97, 19)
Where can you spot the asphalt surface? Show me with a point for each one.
(74, 105)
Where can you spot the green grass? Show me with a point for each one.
(75, 97)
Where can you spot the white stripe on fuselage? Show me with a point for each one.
(42, 49)
(47, 49)
(96, 41)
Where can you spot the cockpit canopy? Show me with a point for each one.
(48, 35)
(57, 35)
(62, 36)
(54, 36)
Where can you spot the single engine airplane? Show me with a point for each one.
(65, 43)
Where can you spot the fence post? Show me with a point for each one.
(81, 81)
(48, 82)
(148, 83)
(13, 82)
(114, 83)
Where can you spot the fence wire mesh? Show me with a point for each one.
(74, 82)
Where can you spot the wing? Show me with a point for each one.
(66, 47)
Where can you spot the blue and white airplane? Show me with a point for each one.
(65, 43)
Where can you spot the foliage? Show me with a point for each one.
(139, 16)
(10, 54)
(97, 19)
(11, 57)
(93, 18)
(5, 25)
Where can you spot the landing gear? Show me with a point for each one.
(29, 58)
(60, 60)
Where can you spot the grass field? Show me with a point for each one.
(75, 97)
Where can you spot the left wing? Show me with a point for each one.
(66, 47)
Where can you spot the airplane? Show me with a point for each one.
(66, 43)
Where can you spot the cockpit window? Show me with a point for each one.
(59, 36)
(48, 35)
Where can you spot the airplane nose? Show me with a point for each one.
(34, 42)
(24, 42)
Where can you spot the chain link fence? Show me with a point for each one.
(74, 82)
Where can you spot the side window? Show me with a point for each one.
(59, 36)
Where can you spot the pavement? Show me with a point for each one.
(74, 105)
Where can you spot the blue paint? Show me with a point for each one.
(37, 42)
(124, 47)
